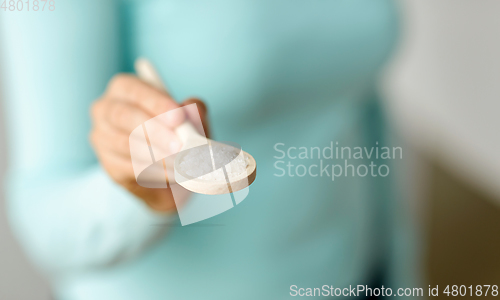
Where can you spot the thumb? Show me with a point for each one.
(197, 114)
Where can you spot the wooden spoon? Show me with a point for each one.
(191, 139)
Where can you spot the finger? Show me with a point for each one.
(130, 89)
(163, 145)
(120, 170)
(116, 120)
(107, 139)
(202, 108)
(123, 116)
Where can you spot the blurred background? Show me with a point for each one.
(442, 91)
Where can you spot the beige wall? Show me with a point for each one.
(444, 96)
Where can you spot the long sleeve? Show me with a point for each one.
(62, 206)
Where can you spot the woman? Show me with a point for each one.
(298, 73)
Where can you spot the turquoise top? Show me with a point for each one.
(301, 73)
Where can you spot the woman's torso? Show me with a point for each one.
(295, 72)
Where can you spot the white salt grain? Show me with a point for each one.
(199, 162)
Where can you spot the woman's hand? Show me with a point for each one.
(127, 103)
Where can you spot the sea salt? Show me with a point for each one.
(206, 163)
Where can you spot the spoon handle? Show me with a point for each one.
(148, 73)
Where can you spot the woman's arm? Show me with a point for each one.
(63, 207)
